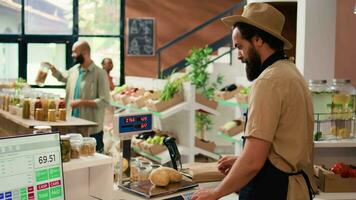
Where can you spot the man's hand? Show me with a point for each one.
(50, 66)
(225, 164)
(205, 194)
(76, 103)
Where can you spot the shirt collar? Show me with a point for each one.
(90, 68)
(278, 55)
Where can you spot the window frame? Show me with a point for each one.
(24, 39)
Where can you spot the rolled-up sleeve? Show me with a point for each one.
(103, 99)
(59, 76)
(265, 106)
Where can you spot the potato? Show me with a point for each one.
(164, 175)
(159, 177)
(174, 175)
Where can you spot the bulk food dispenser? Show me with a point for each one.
(334, 109)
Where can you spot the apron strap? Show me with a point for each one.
(306, 178)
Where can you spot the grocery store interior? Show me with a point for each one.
(146, 99)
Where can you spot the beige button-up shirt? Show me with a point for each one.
(281, 112)
(94, 86)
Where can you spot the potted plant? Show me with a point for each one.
(199, 61)
(171, 95)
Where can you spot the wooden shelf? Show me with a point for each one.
(233, 103)
(30, 123)
(164, 114)
(335, 143)
(161, 158)
(233, 139)
(199, 106)
(207, 153)
(88, 161)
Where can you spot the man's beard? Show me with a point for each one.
(253, 65)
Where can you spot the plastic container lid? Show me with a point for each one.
(42, 129)
(75, 143)
(75, 136)
(89, 140)
(65, 137)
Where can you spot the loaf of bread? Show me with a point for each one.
(164, 175)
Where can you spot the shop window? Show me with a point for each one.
(105, 47)
(9, 65)
(49, 17)
(99, 17)
(50, 52)
(10, 17)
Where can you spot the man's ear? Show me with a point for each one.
(257, 41)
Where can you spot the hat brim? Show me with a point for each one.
(230, 21)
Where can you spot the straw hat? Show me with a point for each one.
(262, 16)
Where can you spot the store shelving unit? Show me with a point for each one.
(179, 119)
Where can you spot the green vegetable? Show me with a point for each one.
(317, 136)
(171, 88)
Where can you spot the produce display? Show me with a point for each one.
(345, 171)
(151, 142)
(232, 128)
(242, 95)
(162, 176)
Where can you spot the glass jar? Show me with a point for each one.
(42, 74)
(143, 174)
(62, 103)
(51, 116)
(343, 108)
(321, 98)
(343, 98)
(39, 114)
(62, 114)
(88, 146)
(26, 109)
(65, 148)
(134, 170)
(75, 148)
(147, 165)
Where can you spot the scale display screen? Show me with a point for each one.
(135, 123)
(31, 168)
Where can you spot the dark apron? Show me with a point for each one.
(270, 182)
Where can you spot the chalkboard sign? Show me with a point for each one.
(141, 37)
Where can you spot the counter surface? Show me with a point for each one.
(15, 125)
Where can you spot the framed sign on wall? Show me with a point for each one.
(141, 37)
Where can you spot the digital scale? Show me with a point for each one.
(128, 125)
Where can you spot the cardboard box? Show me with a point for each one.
(206, 145)
(163, 105)
(206, 102)
(330, 182)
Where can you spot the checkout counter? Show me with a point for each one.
(132, 124)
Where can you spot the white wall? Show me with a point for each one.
(320, 34)
(316, 30)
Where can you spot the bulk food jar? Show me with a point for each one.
(343, 108)
(321, 98)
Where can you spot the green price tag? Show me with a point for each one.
(54, 173)
(56, 192)
(43, 195)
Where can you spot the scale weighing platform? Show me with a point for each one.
(128, 125)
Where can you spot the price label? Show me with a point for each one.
(46, 159)
(135, 123)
